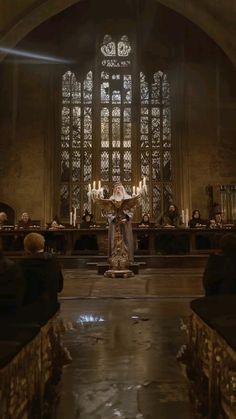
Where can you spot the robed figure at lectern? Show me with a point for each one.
(119, 215)
(119, 211)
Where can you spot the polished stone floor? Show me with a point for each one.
(151, 282)
(123, 337)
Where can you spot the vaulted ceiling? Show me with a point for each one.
(216, 18)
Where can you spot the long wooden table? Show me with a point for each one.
(186, 241)
(211, 356)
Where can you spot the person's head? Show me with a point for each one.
(3, 216)
(145, 218)
(172, 208)
(196, 214)
(228, 244)
(34, 243)
(218, 217)
(25, 217)
(56, 219)
(54, 223)
(119, 191)
(87, 217)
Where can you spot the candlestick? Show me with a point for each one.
(74, 217)
(186, 217)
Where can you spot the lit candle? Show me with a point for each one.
(99, 184)
(71, 217)
(140, 184)
(89, 187)
(182, 212)
(186, 217)
(94, 184)
(75, 210)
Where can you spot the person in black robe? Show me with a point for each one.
(87, 242)
(12, 285)
(42, 272)
(55, 242)
(143, 238)
(220, 273)
(196, 220)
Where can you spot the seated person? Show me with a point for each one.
(170, 218)
(87, 241)
(55, 224)
(6, 241)
(220, 272)
(196, 220)
(145, 221)
(216, 221)
(3, 219)
(202, 241)
(12, 285)
(25, 221)
(87, 220)
(42, 271)
(23, 224)
(55, 242)
(143, 238)
(168, 243)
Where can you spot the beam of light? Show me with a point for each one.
(27, 54)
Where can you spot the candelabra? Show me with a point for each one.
(98, 193)
(94, 193)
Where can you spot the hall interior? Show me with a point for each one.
(121, 91)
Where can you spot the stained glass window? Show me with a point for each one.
(76, 141)
(155, 140)
(115, 129)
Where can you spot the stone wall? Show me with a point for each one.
(210, 112)
(24, 132)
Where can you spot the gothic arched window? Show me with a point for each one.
(115, 126)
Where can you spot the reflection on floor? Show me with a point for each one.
(123, 336)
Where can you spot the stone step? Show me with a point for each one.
(104, 266)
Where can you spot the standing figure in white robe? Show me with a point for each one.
(122, 216)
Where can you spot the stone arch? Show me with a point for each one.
(199, 14)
